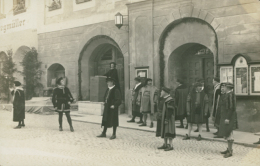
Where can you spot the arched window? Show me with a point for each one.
(241, 76)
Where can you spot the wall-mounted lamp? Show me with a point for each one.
(119, 21)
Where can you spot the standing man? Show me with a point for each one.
(197, 109)
(110, 114)
(181, 93)
(168, 120)
(135, 104)
(148, 97)
(112, 73)
(216, 96)
(228, 120)
(18, 104)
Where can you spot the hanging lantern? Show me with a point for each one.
(119, 20)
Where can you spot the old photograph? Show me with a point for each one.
(129, 82)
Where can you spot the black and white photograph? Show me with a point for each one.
(129, 82)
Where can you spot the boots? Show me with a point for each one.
(224, 152)
(102, 135)
(162, 147)
(169, 147)
(257, 142)
(199, 138)
(228, 154)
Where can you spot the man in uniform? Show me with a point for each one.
(228, 119)
(197, 109)
(148, 97)
(110, 114)
(168, 120)
(135, 104)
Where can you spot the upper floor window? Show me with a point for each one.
(19, 6)
(54, 5)
(81, 1)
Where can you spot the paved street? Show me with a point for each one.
(40, 143)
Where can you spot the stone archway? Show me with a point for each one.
(94, 59)
(54, 72)
(184, 32)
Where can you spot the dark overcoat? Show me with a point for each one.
(136, 107)
(62, 95)
(18, 105)
(159, 115)
(168, 114)
(113, 74)
(181, 94)
(197, 113)
(227, 106)
(110, 116)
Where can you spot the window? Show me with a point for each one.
(19, 6)
(255, 79)
(241, 76)
(226, 74)
(54, 5)
(81, 1)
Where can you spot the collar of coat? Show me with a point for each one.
(18, 88)
(111, 87)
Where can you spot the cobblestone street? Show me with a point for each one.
(40, 143)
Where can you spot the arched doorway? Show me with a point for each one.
(190, 62)
(54, 72)
(94, 60)
(181, 47)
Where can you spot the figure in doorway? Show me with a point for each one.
(112, 73)
(112, 100)
(148, 97)
(181, 93)
(61, 100)
(136, 105)
(18, 104)
(197, 109)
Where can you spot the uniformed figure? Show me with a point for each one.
(135, 105)
(215, 111)
(197, 109)
(112, 101)
(61, 100)
(181, 93)
(112, 73)
(228, 119)
(18, 104)
(148, 97)
(168, 120)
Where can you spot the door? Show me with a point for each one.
(208, 70)
(194, 69)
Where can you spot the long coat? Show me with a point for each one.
(168, 114)
(227, 106)
(153, 98)
(160, 104)
(197, 113)
(110, 116)
(18, 105)
(113, 74)
(181, 94)
(135, 106)
(215, 111)
(62, 95)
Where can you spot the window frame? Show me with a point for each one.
(251, 82)
(235, 78)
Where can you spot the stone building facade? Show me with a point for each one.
(164, 39)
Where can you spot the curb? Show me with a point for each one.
(203, 138)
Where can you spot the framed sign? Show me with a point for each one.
(255, 79)
(142, 72)
(241, 76)
(226, 74)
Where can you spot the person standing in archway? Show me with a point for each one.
(181, 93)
(18, 104)
(135, 104)
(148, 97)
(197, 109)
(112, 73)
(112, 102)
(61, 100)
